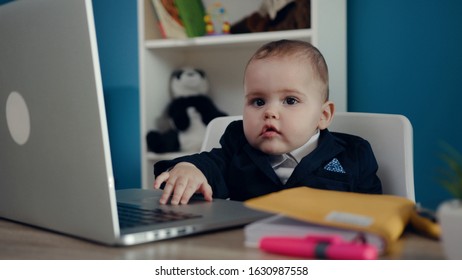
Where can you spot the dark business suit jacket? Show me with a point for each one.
(237, 171)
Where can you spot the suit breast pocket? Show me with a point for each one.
(334, 180)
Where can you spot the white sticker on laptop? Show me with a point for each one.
(349, 218)
(17, 118)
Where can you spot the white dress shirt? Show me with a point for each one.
(285, 164)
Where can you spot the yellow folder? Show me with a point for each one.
(384, 215)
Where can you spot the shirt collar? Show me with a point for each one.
(307, 148)
(299, 153)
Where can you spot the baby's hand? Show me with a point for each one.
(184, 179)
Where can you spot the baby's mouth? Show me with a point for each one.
(269, 131)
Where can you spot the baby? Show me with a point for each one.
(282, 141)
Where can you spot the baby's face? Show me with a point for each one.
(283, 104)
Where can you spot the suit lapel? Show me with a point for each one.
(261, 160)
(327, 149)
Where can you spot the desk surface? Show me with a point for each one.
(19, 241)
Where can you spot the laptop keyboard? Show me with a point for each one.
(132, 216)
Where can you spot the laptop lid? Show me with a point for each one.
(55, 161)
(55, 165)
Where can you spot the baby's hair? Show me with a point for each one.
(302, 49)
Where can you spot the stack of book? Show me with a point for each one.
(377, 219)
(180, 19)
(280, 225)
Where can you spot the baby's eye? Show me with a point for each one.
(258, 102)
(290, 101)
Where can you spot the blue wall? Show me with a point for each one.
(116, 28)
(404, 57)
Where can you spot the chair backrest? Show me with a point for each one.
(390, 136)
(391, 139)
(215, 130)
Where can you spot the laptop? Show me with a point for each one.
(55, 163)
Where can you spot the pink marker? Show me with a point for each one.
(321, 247)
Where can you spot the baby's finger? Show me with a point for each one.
(160, 179)
(180, 185)
(189, 191)
(169, 187)
(206, 190)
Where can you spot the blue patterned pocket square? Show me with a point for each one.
(334, 166)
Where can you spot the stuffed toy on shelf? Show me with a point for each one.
(190, 111)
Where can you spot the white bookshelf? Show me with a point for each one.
(223, 58)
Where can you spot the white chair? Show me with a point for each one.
(390, 136)
(215, 130)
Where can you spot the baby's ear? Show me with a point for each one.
(327, 114)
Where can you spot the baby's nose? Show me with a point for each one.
(271, 114)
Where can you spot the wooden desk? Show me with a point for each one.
(19, 241)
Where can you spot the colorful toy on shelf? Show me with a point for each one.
(276, 15)
(216, 20)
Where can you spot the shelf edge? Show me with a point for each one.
(233, 39)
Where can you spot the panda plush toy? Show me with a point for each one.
(190, 111)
